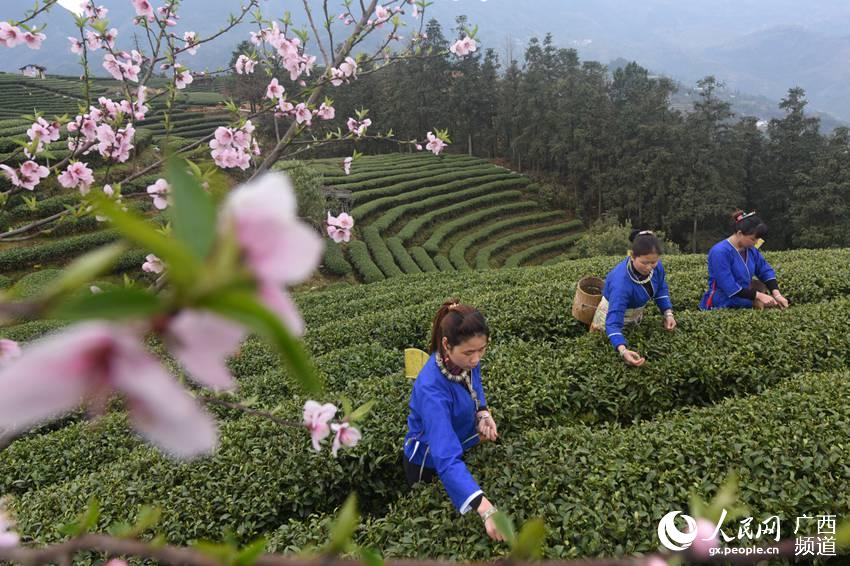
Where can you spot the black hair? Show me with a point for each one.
(748, 224)
(644, 242)
(457, 323)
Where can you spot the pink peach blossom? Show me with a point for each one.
(159, 193)
(10, 35)
(326, 112)
(143, 8)
(346, 435)
(183, 79)
(463, 47)
(76, 45)
(278, 247)
(77, 175)
(338, 234)
(97, 13)
(33, 40)
(344, 220)
(28, 176)
(244, 65)
(381, 15)
(153, 264)
(191, 39)
(303, 114)
(358, 128)
(86, 364)
(316, 419)
(274, 91)
(435, 144)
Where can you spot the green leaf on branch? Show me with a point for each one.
(726, 498)
(842, 534)
(193, 213)
(115, 304)
(223, 553)
(346, 406)
(183, 268)
(85, 521)
(31, 202)
(371, 557)
(344, 527)
(147, 518)
(120, 529)
(443, 135)
(361, 411)
(83, 269)
(100, 26)
(244, 307)
(506, 527)
(248, 555)
(529, 542)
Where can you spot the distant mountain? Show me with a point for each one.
(771, 61)
(744, 104)
(762, 47)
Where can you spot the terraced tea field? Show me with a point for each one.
(421, 213)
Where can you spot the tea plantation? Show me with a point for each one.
(599, 450)
(420, 213)
(196, 114)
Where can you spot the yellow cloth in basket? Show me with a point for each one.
(414, 361)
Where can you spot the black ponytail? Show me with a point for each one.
(644, 242)
(748, 224)
(456, 322)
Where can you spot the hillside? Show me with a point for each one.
(418, 213)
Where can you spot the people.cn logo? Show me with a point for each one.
(671, 537)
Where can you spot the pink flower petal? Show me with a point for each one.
(53, 377)
(202, 341)
(346, 435)
(278, 246)
(159, 408)
(279, 302)
(316, 417)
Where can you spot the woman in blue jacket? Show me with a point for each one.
(732, 264)
(628, 288)
(448, 410)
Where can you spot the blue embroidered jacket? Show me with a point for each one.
(441, 426)
(624, 293)
(729, 273)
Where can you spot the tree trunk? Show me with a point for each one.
(599, 204)
(469, 143)
(694, 237)
(640, 207)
